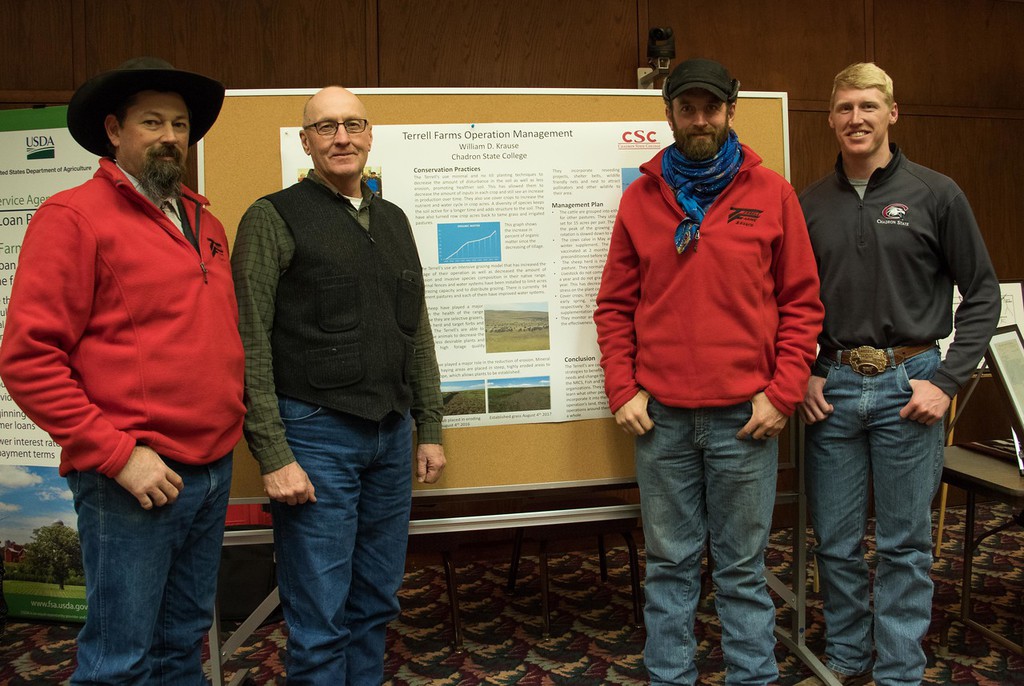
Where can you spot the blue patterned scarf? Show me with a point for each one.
(697, 184)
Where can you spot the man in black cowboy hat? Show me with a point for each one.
(121, 341)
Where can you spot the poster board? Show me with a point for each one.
(240, 162)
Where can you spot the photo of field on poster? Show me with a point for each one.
(463, 397)
(515, 327)
(519, 395)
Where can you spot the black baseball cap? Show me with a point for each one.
(701, 73)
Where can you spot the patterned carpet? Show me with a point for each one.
(592, 641)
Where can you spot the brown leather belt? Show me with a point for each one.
(869, 361)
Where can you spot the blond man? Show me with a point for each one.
(891, 237)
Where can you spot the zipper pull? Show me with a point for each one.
(206, 274)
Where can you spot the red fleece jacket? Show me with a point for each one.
(119, 333)
(735, 314)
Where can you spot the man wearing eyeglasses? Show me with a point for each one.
(340, 364)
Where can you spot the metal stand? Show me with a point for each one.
(794, 636)
(219, 652)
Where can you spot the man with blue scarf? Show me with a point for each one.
(707, 318)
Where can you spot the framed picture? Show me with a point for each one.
(1006, 361)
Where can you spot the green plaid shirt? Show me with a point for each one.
(263, 250)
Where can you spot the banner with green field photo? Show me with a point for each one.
(41, 574)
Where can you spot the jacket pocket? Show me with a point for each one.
(334, 367)
(409, 301)
(295, 410)
(337, 303)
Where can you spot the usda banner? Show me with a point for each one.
(38, 532)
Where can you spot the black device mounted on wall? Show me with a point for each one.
(661, 44)
(661, 50)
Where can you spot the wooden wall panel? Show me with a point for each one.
(795, 46)
(958, 53)
(812, 148)
(36, 52)
(986, 159)
(508, 43)
(244, 43)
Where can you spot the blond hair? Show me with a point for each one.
(860, 76)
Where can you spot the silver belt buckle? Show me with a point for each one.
(868, 361)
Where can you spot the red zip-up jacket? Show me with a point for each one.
(118, 332)
(735, 314)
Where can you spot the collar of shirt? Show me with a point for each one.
(367, 194)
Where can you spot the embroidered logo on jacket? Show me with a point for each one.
(215, 247)
(744, 216)
(894, 213)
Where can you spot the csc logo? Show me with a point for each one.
(639, 137)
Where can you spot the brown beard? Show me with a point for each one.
(161, 179)
(699, 149)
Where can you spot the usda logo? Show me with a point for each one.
(39, 148)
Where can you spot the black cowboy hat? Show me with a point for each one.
(106, 92)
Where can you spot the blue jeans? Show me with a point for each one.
(865, 443)
(150, 577)
(696, 478)
(341, 559)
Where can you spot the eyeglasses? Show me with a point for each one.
(330, 128)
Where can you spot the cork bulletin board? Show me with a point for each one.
(240, 161)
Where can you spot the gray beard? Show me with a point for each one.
(161, 179)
